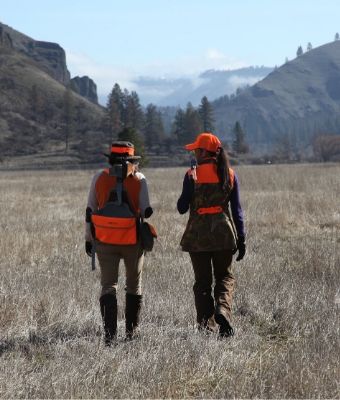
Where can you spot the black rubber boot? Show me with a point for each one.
(226, 330)
(133, 307)
(205, 308)
(108, 309)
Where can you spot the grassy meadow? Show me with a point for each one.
(286, 306)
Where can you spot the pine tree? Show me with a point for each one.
(337, 36)
(309, 46)
(37, 103)
(133, 112)
(153, 128)
(115, 109)
(131, 135)
(239, 144)
(299, 51)
(178, 126)
(192, 123)
(205, 111)
(68, 116)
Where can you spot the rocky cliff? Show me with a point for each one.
(49, 56)
(38, 111)
(85, 87)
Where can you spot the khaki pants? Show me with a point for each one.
(206, 265)
(109, 257)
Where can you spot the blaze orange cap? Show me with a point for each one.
(122, 149)
(206, 141)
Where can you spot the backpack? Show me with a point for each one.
(116, 223)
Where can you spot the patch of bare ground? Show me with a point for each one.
(286, 310)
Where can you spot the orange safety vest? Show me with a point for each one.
(105, 183)
(207, 173)
(116, 223)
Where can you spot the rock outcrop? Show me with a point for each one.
(85, 87)
(5, 38)
(50, 57)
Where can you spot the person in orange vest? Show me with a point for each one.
(213, 234)
(116, 203)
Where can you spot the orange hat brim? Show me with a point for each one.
(191, 146)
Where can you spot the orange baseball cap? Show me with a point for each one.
(206, 141)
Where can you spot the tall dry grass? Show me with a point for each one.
(286, 309)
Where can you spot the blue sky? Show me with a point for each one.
(119, 40)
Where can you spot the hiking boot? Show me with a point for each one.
(133, 306)
(108, 309)
(226, 330)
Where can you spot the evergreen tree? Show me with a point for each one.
(133, 112)
(178, 126)
(309, 46)
(153, 128)
(239, 144)
(37, 103)
(131, 135)
(115, 109)
(337, 36)
(299, 51)
(192, 123)
(68, 116)
(205, 111)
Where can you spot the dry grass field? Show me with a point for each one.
(286, 309)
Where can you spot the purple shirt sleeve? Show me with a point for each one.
(236, 210)
(183, 202)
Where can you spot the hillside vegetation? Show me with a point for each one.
(286, 310)
(298, 100)
(38, 111)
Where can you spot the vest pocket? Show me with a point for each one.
(115, 230)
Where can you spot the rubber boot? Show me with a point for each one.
(108, 309)
(205, 312)
(226, 329)
(133, 307)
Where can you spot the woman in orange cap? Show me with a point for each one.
(212, 234)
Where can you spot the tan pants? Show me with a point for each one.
(109, 257)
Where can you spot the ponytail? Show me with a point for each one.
(223, 170)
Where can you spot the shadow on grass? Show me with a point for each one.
(46, 338)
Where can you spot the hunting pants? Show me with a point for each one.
(109, 257)
(206, 265)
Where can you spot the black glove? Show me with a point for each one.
(241, 247)
(88, 248)
(148, 212)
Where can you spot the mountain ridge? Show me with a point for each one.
(301, 98)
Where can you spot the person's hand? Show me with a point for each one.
(241, 247)
(88, 248)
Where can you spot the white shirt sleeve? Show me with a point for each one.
(144, 201)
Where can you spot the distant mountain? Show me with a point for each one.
(37, 111)
(298, 100)
(211, 83)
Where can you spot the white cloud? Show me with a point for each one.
(106, 75)
(240, 81)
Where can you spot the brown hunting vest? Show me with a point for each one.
(210, 227)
